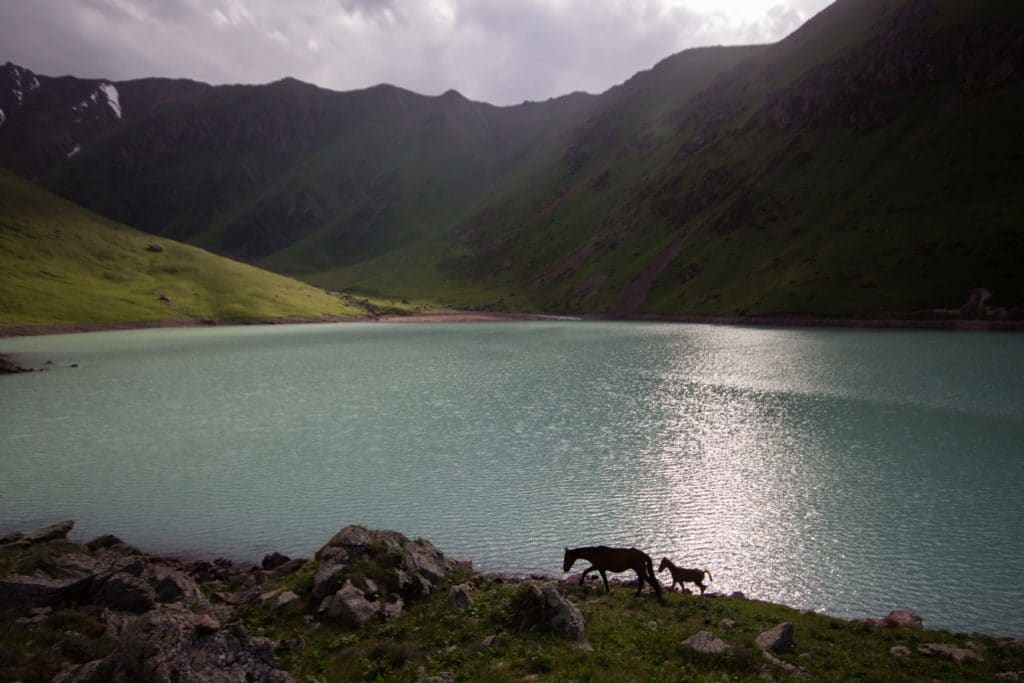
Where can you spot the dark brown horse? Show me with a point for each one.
(604, 559)
(681, 574)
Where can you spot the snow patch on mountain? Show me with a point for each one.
(110, 95)
(74, 150)
(3, 117)
(113, 100)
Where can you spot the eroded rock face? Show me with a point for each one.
(903, 618)
(171, 644)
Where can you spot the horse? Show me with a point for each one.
(602, 559)
(681, 574)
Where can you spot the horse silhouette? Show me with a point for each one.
(681, 574)
(604, 559)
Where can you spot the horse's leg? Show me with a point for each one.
(585, 572)
(639, 580)
(604, 577)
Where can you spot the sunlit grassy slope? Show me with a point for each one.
(62, 264)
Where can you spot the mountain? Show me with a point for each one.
(867, 165)
(60, 264)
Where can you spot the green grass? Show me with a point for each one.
(61, 264)
(631, 639)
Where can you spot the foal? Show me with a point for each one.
(602, 559)
(680, 574)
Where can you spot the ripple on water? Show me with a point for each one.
(845, 471)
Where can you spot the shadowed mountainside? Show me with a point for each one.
(867, 165)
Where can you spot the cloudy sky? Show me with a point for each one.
(499, 51)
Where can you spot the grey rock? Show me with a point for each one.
(727, 624)
(796, 671)
(164, 645)
(491, 640)
(125, 593)
(899, 651)
(173, 586)
(903, 618)
(705, 641)
(777, 639)
(443, 677)
(104, 541)
(154, 247)
(285, 599)
(207, 624)
(274, 560)
(288, 568)
(565, 617)
(393, 608)
(41, 590)
(953, 652)
(459, 596)
(350, 605)
(11, 537)
(54, 532)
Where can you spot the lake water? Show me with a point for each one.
(851, 472)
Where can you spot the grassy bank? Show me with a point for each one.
(496, 637)
(62, 265)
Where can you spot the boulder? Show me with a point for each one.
(285, 599)
(288, 568)
(274, 560)
(899, 651)
(777, 639)
(207, 624)
(566, 618)
(173, 586)
(393, 608)
(957, 654)
(125, 593)
(418, 560)
(459, 596)
(54, 532)
(41, 590)
(705, 641)
(350, 605)
(166, 645)
(902, 618)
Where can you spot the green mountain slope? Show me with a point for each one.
(867, 165)
(62, 264)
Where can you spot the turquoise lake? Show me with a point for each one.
(850, 472)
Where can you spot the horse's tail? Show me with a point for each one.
(655, 584)
(710, 578)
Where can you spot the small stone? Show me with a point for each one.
(777, 639)
(296, 645)
(653, 624)
(490, 641)
(975, 646)
(903, 618)
(737, 594)
(207, 624)
(705, 641)
(154, 247)
(727, 624)
(584, 647)
(899, 651)
(104, 541)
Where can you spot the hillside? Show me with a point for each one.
(869, 164)
(60, 264)
(866, 166)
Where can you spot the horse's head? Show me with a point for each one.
(569, 560)
(665, 564)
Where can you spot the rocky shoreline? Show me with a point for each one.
(106, 611)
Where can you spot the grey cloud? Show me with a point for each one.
(499, 51)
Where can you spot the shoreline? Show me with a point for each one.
(457, 316)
